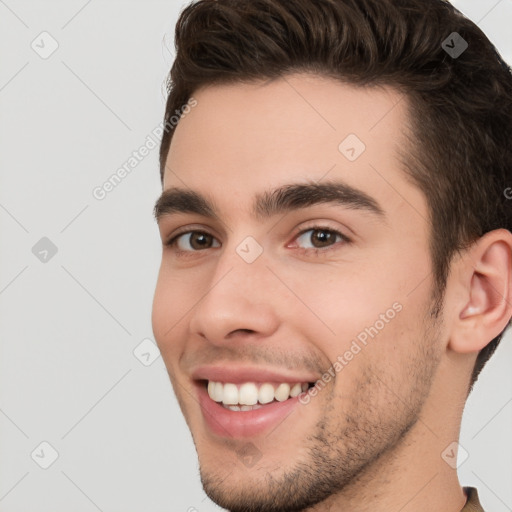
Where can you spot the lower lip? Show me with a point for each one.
(239, 424)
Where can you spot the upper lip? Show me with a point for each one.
(238, 374)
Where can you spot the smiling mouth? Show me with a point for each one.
(249, 396)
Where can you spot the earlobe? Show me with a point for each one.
(487, 282)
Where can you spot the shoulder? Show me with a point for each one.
(473, 503)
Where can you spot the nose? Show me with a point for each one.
(237, 300)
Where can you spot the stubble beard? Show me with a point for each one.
(342, 447)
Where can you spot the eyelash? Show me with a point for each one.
(315, 251)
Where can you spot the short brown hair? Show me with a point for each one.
(460, 106)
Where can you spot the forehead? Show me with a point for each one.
(244, 138)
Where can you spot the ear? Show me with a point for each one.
(484, 305)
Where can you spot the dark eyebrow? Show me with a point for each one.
(281, 200)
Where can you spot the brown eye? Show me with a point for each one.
(322, 238)
(319, 237)
(193, 241)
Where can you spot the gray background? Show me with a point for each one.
(70, 325)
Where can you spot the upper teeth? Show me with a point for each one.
(251, 393)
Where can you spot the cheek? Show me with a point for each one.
(362, 303)
(170, 304)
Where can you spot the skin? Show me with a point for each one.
(372, 438)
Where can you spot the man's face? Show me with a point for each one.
(294, 291)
